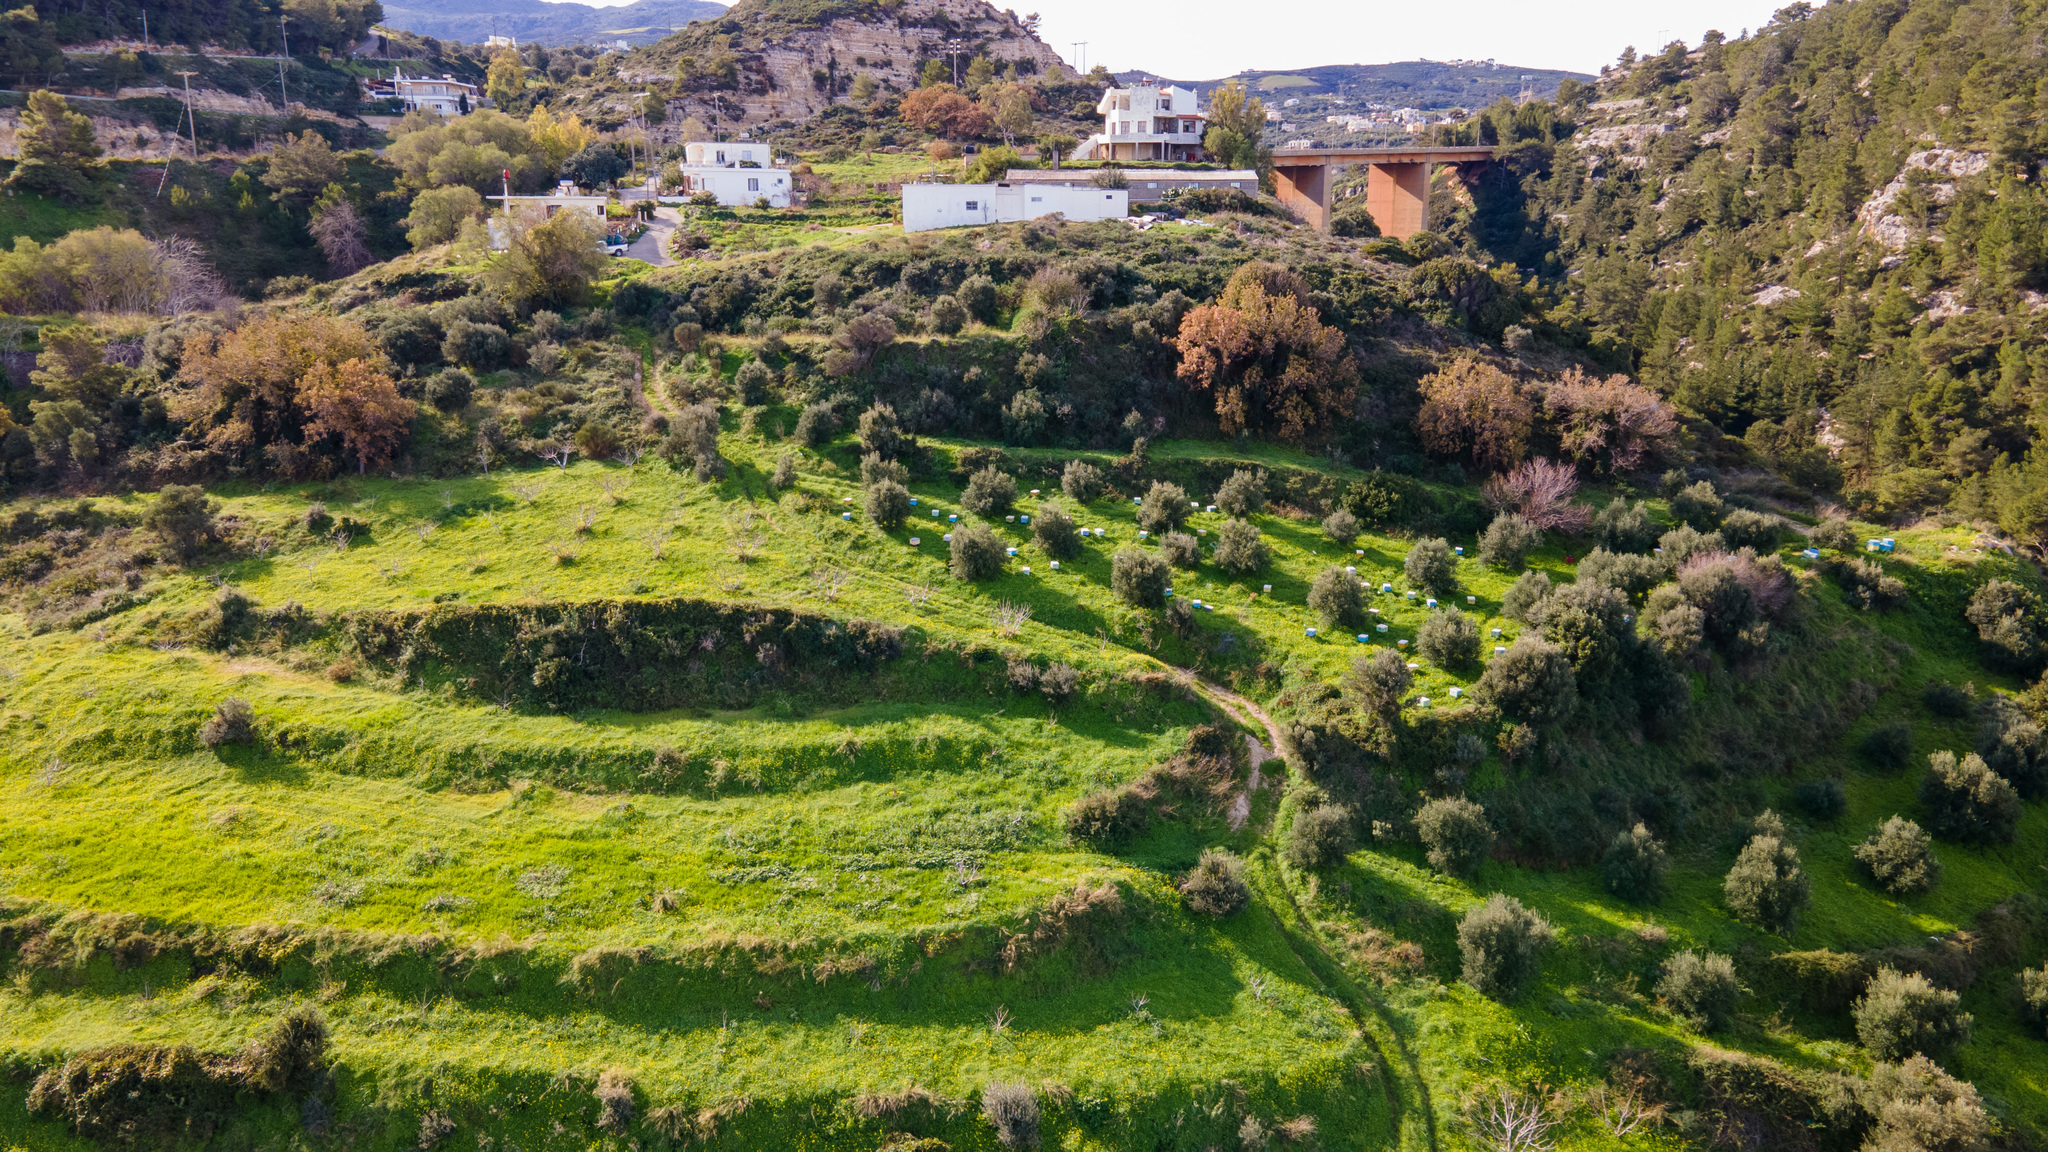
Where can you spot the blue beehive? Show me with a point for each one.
(846, 515)
(1364, 639)
(913, 501)
(1309, 632)
(1386, 587)
(1811, 553)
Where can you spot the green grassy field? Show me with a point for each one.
(774, 918)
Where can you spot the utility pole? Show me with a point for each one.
(168, 156)
(1084, 56)
(145, 29)
(284, 53)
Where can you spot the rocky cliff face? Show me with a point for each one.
(800, 71)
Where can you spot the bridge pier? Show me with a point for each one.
(1396, 191)
(1305, 188)
(1397, 195)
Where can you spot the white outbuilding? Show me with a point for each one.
(929, 206)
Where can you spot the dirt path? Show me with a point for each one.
(1243, 711)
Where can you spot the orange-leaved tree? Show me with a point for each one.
(1471, 408)
(1265, 352)
(242, 394)
(942, 110)
(1613, 423)
(359, 403)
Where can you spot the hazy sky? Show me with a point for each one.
(1205, 39)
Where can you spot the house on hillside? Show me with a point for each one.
(447, 95)
(739, 174)
(1147, 185)
(1146, 123)
(929, 206)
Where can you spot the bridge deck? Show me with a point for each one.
(1450, 154)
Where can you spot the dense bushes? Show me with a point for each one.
(1626, 572)
(1868, 586)
(1524, 597)
(1701, 987)
(1698, 506)
(990, 492)
(634, 655)
(1216, 885)
(1634, 865)
(1055, 533)
(1900, 857)
(1590, 626)
(1753, 530)
(1967, 801)
(888, 504)
(1431, 567)
(1532, 681)
(1335, 597)
(1341, 526)
(1456, 833)
(1012, 1109)
(1767, 887)
(2013, 746)
(1138, 578)
(1888, 747)
(2012, 625)
(1319, 837)
(1164, 508)
(1242, 495)
(2032, 985)
(1917, 1107)
(232, 722)
(1081, 481)
(1379, 681)
(1180, 549)
(1239, 550)
(975, 553)
(1449, 639)
(1108, 820)
(1501, 944)
(1904, 1014)
(1508, 541)
(1621, 527)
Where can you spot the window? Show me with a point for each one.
(1167, 104)
(1037, 199)
(1152, 184)
(753, 184)
(974, 205)
(1234, 184)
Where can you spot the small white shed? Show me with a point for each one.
(930, 206)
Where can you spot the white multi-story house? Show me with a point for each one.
(447, 95)
(739, 174)
(1146, 124)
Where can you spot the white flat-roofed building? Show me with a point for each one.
(739, 174)
(1146, 123)
(1147, 185)
(930, 206)
(712, 154)
(447, 95)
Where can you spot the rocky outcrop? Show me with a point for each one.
(781, 80)
(1895, 233)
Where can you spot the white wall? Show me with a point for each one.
(738, 187)
(929, 206)
(728, 155)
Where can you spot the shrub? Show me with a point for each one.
(1165, 508)
(291, 1057)
(1431, 566)
(948, 316)
(1449, 639)
(1319, 837)
(1216, 886)
(875, 468)
(1012, 1109)
(1081, 481)
(1055, 533)
(183, 516)
(2033, 991)
(450, 389)
(1630, 574)
(2013, 746)
(1634, 865)
(976, 553)
(1456, 833)
(1507, 541)
(232, 722)
(1624, 528)
(1767, 887)
(1821, 799)
(1502, 945)
(1334, 596)
(1889, 747)
(1702, 988)
(1833, 533)
(978, 295)
(1180, 549)
(1341, 526)
(1532, 681)
(1868, 586)
(484, 347)
(751, 383)
(1059, 682)
(2012, 626)
(989, 493)
(815, 424)
(1589, 624)
(888, 505)
(614, 1094)
(1138, 578)
(1698, 505)
(1526, 596)
(1239, 549)
(1108, 820)
(1244, 494)
(785, 472)
(1900, 857)
(1743, 528)
(1946, 700)
(1379, 681)
(1904, 1014)
(1917, 1107)
(1685, 542)
(1967, 801)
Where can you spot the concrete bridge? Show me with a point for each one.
(1396, 192)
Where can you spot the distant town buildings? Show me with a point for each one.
(502, 42)
(1146, 123)
(1147, 185)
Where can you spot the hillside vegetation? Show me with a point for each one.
(1187, 683)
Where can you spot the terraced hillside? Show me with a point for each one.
(599, 805)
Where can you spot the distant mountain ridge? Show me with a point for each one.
(1406, 83)
(528, 21)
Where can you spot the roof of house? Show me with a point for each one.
(1163, 175)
